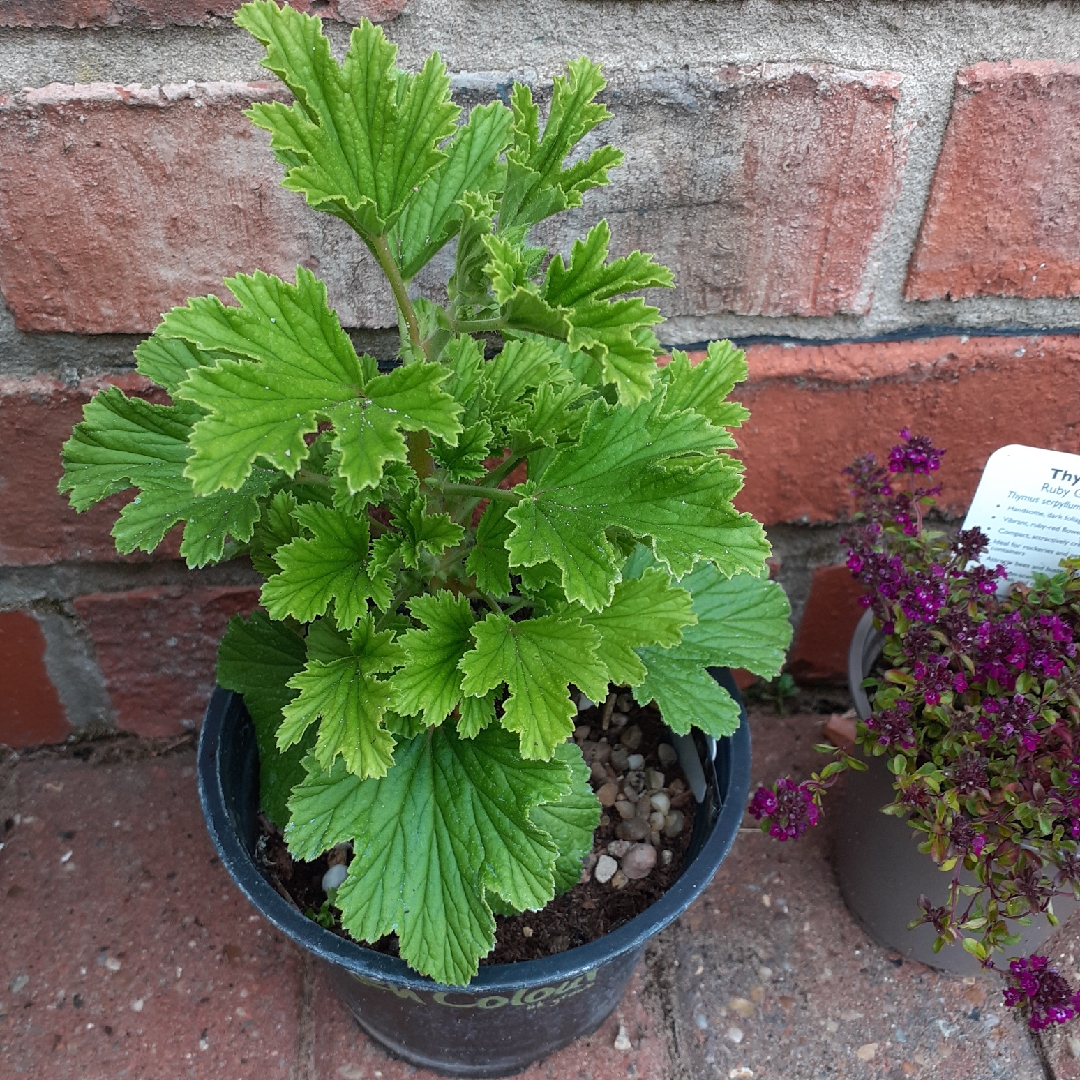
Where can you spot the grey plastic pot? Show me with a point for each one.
(510, 1015)
(881, 871)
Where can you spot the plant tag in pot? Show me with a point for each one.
(1028, 504)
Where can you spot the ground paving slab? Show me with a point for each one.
(127, 952)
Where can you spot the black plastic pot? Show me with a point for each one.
(510, 1015)
(880, 869)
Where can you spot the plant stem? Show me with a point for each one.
(475, 491)
(303, 476)
(381, 250)
(496, 476)
(478, 326)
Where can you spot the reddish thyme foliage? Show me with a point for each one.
(976, 704)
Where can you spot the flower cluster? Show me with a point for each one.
(1041, 992)
(976, 703)
(787, 807)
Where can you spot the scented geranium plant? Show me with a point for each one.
(976, 705)
(527, 505)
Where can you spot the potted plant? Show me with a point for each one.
(524, 508)
(966, 687)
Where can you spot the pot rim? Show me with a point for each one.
(732, 785)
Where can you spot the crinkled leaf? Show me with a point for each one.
(276, 527)
(537, 659)
(449, 822)
(647, 610)
(742, 622)
(489, 561)
(537, 185)
(256, 658)
(433, 216)
(704, 387)
(475, 714)
(348, 699)
(360, 138)
(430, 681)
(421, 531)
(167, 361)
(127, 442)
(296, 366)
(571, 821)
(655, 476)
(331, 564)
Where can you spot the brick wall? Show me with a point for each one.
(878, 198)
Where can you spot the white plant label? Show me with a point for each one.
(1028, 504)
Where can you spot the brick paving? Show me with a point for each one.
(128, 953)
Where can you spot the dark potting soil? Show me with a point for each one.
(591, 908)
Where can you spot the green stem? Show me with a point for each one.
(478, 326)
(475, 491)
(303, 476)
(380, 248)
(496, 476)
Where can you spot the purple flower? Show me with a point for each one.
(916, 454)
(1041, 991)
(894, 725)
(788, 808)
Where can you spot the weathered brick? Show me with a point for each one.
(339, 1049)
(815, 408)
(1001, 218)
(766, 193)
(30, 708)
(37, 525)
(763, 189)
(174, 191)
(133, 953)
(77, 14)
(832, 610)
(157, 649)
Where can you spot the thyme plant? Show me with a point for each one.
(527, 503)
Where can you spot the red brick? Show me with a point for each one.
(1001, 217)
(202, 987)
(174, 187)
(815, 408)
(829, 619)
(30, 708)
(340, 1049)
(37, 524)
(77, 14)
(764, 189)
(157, 649)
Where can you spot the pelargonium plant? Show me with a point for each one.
(976, 705)
(527, 505)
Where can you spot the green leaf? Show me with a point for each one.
(537, 659)
(257, 658)
(350, 701)
(655, 476)
(647, 610)
(705, 387)
(489, 561)
(742, 622)
(602, 326)
(571, 821)
(422, 531)
(434, 215)
(475, 714)
(167, 361)
(430, 681)
(127, 442)
(536, 184)
(277, 527)
(297, 363)
(361, 138)
(449, 822)
(369, 431)
(297, 367)
(332, 564)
